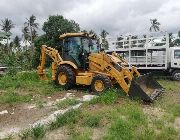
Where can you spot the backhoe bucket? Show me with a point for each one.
(145, 88)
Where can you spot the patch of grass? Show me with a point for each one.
(159, 123)
(134, 113)
(167, 133)
(92, 121)
(108, 97)
(21, 86)
(146, 134)
(66, 103)
(41, 104)
(169, 105)
(85, 134)
(169, 85)
(175, 109)
(38, 131)
(128, 121)
(12, 97)
(71, 116)
(24, 134)
(120, 130)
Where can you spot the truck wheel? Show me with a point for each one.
(65, 77)
(100, 83)
(176, 75)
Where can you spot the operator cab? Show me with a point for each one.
(175, 57)
(77, 47)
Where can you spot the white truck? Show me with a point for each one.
(149, 53)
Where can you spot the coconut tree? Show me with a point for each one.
(16, 43)
(103, 35)
(93, 33)
(32, 25)
(7, 25)
(26, 37)
(154, 25)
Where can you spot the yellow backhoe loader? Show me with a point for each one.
(81, 62)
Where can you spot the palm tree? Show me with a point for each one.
(93, 34)
(16, 43)
(103, 35)
(171, 38)
(34, 34)
(7, 25)
(154, 25)
(25, 35)
(32, 26)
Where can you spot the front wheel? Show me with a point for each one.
(65, 77)
(100, 83)
(176, 75)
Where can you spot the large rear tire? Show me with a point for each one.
(176, 75)
(100, 83)
(65, 76)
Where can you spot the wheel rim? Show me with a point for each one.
(99, 86)
(177, 76)
(62, 78)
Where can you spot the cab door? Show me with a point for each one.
(175, 58)
(72, 50)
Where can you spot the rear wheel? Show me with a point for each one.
(176, 75)
(100, 83)
(65, 77)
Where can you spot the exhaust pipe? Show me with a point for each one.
(145, 88)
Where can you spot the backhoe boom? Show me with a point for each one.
(54, 55)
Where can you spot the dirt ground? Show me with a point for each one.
(17, 117)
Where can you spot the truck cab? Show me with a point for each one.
(175, 62)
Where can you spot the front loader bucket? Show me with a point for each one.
(145, 88)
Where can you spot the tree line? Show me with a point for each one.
(13, 54)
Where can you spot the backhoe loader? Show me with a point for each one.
(81, 62)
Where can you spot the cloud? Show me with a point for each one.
(116, 16)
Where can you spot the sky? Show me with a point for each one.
(118, 17)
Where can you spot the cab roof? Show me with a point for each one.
(73, 35)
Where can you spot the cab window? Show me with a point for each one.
(73, 45)
(85, 43)
(177, 54)
(94, 47)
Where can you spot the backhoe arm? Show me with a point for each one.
(113, 65)
(54, 55)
